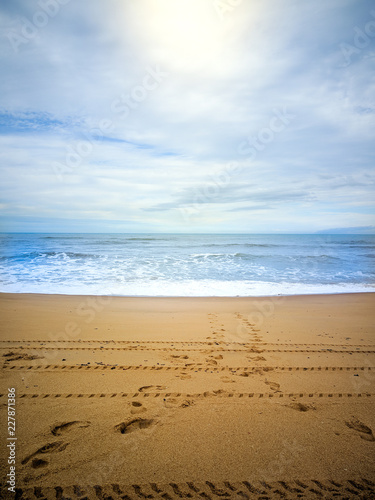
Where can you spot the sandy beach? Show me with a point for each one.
(124, 397)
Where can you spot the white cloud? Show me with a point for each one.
(220, 80)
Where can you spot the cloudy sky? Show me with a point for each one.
(187, 115)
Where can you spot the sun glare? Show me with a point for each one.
(185, 33)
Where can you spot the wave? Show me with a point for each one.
(65, 237)
(250, 256)
(353, 243)
(248, 245)
(183, 259)
(147, 239)
(34, 255)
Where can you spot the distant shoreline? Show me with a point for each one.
(226, 297)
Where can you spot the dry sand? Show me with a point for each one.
(190, 397)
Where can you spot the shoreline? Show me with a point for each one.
(227, 297)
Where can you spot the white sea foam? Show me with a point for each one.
(188, 288)
(186, 265)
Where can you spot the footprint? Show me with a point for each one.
(47, 448)
(38, 463)
(57, 430)
(187, 402)
(170, 402)
(137, 407)
(147, 388)
(301, 407)
(211, 361)
(227, 380)
(258, 358)
(175, 403)
(12, 356)
(365, 432)
(274, 386)
(133, 425)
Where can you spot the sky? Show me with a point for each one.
(249, 116)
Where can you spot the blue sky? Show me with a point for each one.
(187, 115)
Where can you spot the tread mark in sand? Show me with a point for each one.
(140, 493)
(178, 492)
(216, 491)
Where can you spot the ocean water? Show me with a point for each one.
(186, 264)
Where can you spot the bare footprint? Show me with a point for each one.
(38, 463)
(274, 386)
(133, 425)
(211, 361)
(175, 403)
(186, 403)
(12, 356)
(257, 358)
(149, 388)
(170, 402)
(301, 407)
(364, 431)
(59, 429)
(47, 448)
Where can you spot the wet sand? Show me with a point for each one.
(190, 397)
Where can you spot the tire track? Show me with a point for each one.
(250, 349)
(362, 488)
(172, 342)
(206, 394)
(195, 368)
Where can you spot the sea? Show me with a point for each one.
(186, 264)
